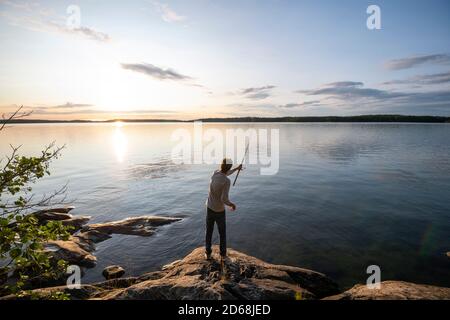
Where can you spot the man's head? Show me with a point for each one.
(226, 165)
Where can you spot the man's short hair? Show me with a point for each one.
(226, 165)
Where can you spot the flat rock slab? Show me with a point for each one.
(139, 226)
(72, 252)
(62, 215)
(394, 290)
(240, 277)
(79, 247)
(194, 277)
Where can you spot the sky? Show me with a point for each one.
(203, 58)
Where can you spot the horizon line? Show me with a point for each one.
(354, 118)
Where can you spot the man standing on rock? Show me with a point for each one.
(219, 188)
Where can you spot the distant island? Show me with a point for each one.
(360, 118)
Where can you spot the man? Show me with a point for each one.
(219, 187)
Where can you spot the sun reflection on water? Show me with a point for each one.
(119, 141)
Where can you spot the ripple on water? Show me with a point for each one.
(153, 170)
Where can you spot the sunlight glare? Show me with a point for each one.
(119, 142)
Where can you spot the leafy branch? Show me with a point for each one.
(22, 236)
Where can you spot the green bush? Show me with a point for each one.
(22, 237)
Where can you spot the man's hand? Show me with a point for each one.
(239, 167)
(233, 207)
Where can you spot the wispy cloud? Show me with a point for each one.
(344, 84)
(52, 109)
(82, 109)
(155, 72)
(407, 63)
(44, 111)
(347, 95)
(167, 13)
(68, 105)
(290, 105)
(428, 79)
(31, 16)
(162, 74)
(349, 90)
(255, 90)
(257, 93)
(89, 33)
(299, 105)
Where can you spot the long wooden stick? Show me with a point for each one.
(243, 158)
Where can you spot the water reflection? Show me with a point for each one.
(345, 144)
(345, 152)
(119, 141)
(160, 168)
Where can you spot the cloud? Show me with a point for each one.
(290, 105)
(51, 111)
(407, 63)
(349, 89)
(345, 95)
(70, 108)
(258, 96)
(310, 103)
(163, 74)
(155, 72)
(82, 108)
(429, 79)
(344, 84)
(32, 16)
(56, 109)
(259, 89)
(299, 105)
(167, 13)
(70, 105)
(87, 32)
(257, 93)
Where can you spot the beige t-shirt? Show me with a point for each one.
(219, 188)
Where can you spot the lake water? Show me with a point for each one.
(346, 196)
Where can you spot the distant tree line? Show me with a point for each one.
(362, 118)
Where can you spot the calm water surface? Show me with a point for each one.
(346, 196)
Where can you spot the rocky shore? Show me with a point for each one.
(194, 277)
(240, 276)
(79, 248)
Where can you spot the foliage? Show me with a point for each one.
(22, 236)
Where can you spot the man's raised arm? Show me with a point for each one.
(231, 171)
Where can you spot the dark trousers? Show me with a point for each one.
(218, 218)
